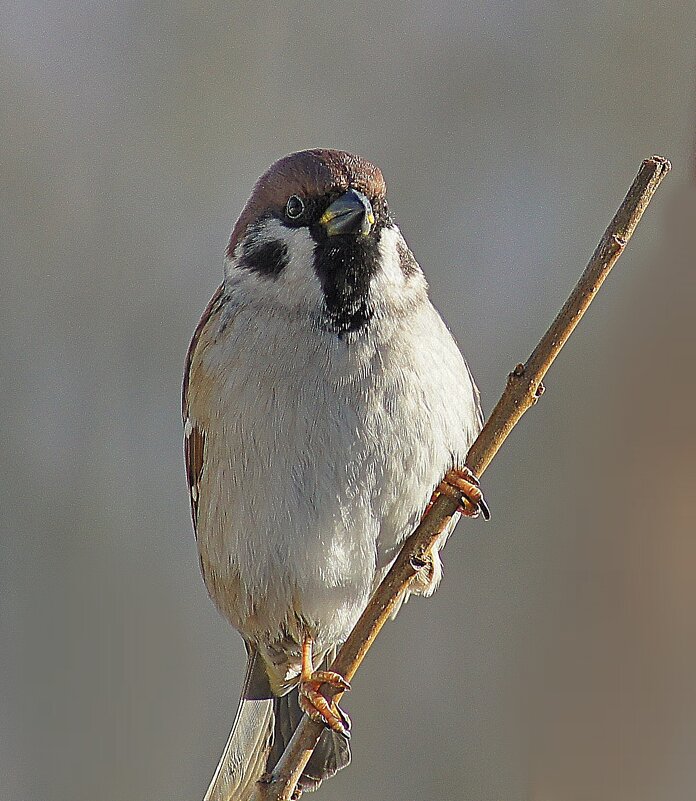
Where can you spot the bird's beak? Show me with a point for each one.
(349, 214)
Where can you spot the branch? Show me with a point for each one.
(523, 389)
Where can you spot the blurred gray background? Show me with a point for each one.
(557, 661)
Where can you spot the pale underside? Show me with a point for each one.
(320, 455)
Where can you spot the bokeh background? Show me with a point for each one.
(558, 659)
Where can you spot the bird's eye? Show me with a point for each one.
(295, 207)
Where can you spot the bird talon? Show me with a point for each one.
(347, 723)
(334, 680)
(463, 486)
(314, 704)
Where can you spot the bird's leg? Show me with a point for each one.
(462, 485)
(312, 702)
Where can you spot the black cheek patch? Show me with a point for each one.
(265, 258)
(407, 261)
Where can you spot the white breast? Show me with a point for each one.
(320, 457)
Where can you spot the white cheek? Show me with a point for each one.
(297, 285)
(390, 274)
(390, 285)
(299, 277)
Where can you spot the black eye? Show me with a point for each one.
(295, 207)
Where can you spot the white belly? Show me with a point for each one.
(320, 459)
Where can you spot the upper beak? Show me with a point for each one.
(350, 213)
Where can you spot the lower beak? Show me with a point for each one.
(349, 214)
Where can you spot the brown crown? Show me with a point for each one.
(309, 173)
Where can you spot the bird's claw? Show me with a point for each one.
(463, 486)
(314, 704)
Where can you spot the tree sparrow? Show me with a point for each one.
(323, 401)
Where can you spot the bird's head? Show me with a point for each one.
(316, 236)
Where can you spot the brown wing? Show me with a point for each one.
(194, 434)
(194, 448)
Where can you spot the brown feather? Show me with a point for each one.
(194, 448)
(213, 306)
(194, 436)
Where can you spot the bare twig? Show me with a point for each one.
(523, 389)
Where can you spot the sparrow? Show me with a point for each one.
(324, 399)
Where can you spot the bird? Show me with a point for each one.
(325, 404)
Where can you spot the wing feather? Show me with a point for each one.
(194, 434)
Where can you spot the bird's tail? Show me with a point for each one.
(261, 730)
(244, 759)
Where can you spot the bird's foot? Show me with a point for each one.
(463, 486)
(314, 704)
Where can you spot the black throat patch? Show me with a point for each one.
(345, 266)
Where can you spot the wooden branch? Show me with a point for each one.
(522, 391)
